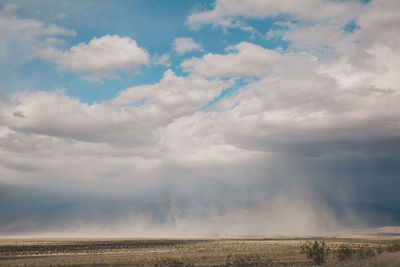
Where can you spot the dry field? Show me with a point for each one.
(194, 252)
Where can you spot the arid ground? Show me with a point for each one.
(365, 251)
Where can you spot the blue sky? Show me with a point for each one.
(206, 113)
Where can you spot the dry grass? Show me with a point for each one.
(185, 252)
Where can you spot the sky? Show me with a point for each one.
(198, 118)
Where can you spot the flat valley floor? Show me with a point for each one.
(366, 251)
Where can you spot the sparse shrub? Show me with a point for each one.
(247, 260)
(379, 249)
(365, 252)
(344, 252)
(171, 263)
(242, 261)
(393, 247)
(316, 251)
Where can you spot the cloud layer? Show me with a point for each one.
(251, 140)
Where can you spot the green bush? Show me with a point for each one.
(344, 252)
(316, 251)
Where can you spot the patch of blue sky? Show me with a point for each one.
(233, 90)
(224, 94)
(34, 74)
(234, 105)
(351, 27)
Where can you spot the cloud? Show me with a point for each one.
(227, 13)
(22, 37)
(101, 57)
(177, 95)
(164, 60)
(173, 97)
(164, 165)
(365, 57)
(280, 114)
(31, 27)
(245, 59)
(8, 9)
(380, 23)
(183, 45)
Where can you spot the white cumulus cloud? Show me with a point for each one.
(243, 59)
(101, 57)
(183, 45)
(164, 60)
